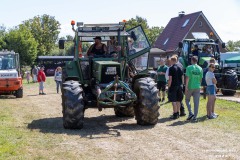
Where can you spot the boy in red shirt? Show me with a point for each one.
(41, 79)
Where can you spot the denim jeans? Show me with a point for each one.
(59, 83)
(196, 96)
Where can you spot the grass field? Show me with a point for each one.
(31, 128)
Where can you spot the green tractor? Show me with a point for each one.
(226, 78)
(121, 82)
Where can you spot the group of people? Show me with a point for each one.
(100, 49)
(38, 75)
(206, 51)
(173, 75)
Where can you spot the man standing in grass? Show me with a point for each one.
(161, 79)
(194, 74)
(175, 94)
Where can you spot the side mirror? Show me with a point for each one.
(223, 45)
(180, 45)
(133, 36)
(61, 44)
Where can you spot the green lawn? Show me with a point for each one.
(15, 137)
(229, 114)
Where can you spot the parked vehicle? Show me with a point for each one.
(233, 63)
(10, 77)
(50, 63)
(100, 82)
(227, 78)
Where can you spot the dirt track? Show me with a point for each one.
(105, 136)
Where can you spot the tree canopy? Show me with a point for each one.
(45, 30)
(151, 33)
(21, 40)
(233, 46)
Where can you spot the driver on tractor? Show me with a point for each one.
(98, 49)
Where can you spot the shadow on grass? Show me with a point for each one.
(94, 127)
(43, 95)
(178, 123)
(7, 97)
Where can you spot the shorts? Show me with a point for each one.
(211, 90)
(175, 94)
(35, 78)
(41, 86)
(161, 86)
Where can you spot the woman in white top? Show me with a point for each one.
(58, 77)
(211, 91)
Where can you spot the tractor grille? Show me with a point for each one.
(109, 72)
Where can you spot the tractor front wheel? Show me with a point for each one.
(127, 111)
(73, 105)
(146, 107)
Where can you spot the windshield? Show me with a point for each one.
(7, 61)
(209, 48)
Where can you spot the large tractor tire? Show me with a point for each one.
(146, 107)
(230, 82)
(127, 111)
(73, 105)
(19, 93)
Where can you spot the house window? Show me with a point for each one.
(165, 41)
(200, 24)
(185, 23)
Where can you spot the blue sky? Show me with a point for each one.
(222, 14)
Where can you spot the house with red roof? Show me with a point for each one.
(182, 27)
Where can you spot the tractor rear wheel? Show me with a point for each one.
(146, 108)
(19, 93)
(127, 111)
(73, 105)
(230, 82)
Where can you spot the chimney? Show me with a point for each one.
(181, 14)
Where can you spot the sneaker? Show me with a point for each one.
(43, 93)
(163, 99)
(174, 116)
(215, 114)
(190, 117)
(211, 117)
(182, 114)
(40, 93)
(194, 119)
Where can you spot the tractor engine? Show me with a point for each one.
(105, 71)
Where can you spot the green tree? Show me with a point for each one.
(151, 33)
(154, 33)
(2, 34)
(233, 46)
(45, 30)
(21, 40)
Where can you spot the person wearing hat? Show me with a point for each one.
(98, 48)
(41, 79)
(195, 50)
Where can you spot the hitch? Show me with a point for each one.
(108, 96)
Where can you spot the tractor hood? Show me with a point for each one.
(204, 61)
(12, 73)
(105, 71)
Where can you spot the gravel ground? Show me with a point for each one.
(105, 136)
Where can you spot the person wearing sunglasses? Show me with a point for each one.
(211, 91)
